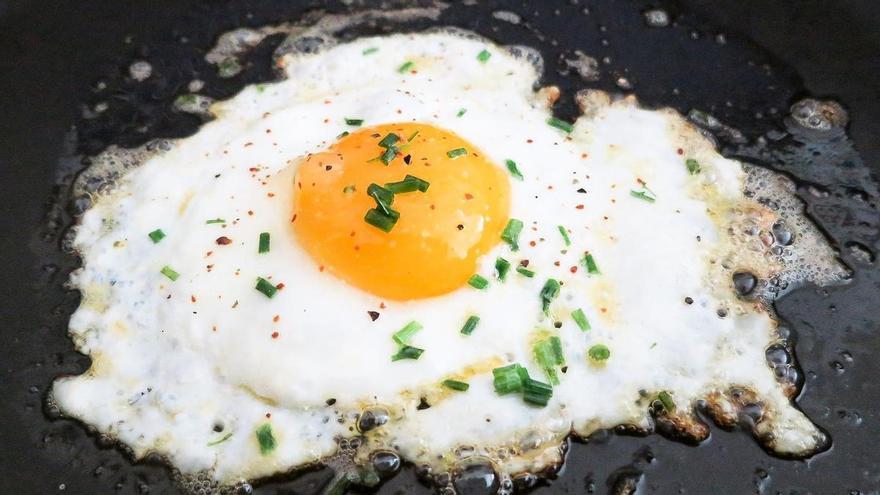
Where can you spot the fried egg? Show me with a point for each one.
(398, 250)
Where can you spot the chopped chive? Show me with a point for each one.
(525, 272)
(370, 50)
(502, 266)
(407, 352)
(535, 392)
(456, 385)
(389, 140)
(412, 136)
(383, 197)
(266, 287)
(513, 169)
(644, 195)
(264, 243)
(221, 440)
(409, 183)
(349, 189)
(266, 439)
(461, 111)
(508, 379)
(599, 353)
(693, 166)
(665, 398)
(564, 234)
(653, 345)
(354, 122)
(484, 56)
(581, 319)
(478, 282)
(470, 324)
(560, 124)
(403, 335)
(549, 292)
(558, 355)
(457, 152)
(382, 221)
(388, 155)
(156, 235)
(510, 235)
(169, 272)
(543, 352)
(342, 134)
(215, 220)
(409, 64)
(590, 264)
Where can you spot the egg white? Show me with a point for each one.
(173, 362)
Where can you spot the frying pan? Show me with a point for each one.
(743, 61)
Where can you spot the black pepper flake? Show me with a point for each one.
(460, 226)
(407, 159)
(328, 167)
(223, 240)
(331, 401)
(689, 300)
(582, 191)
(557, 324)
(423, 404)
(374, 315)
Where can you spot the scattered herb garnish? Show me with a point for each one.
(535, 392)
(342, 134)
(510, 235)
(349, 189)
(169, 272)
(383, 197)
(412, 136)
(264, 243)
(513, 169)
(558, 355)
(354, 122)
(410, 183)
(266, 287)
(508, 379)
(456, 385)
(266, 439)
(409, 64)
(599, 353)
(478, 282)
(484, 56)
(564, 234)
(693, 166)
(581, 319)
(590, 264)
(560, 124)
(525, 272)
(403, 335)
(644, 195)
(382, 221)
(389, 140)
(156, 235)
(461, 111)
(388, 155)
(502, 266)
(407, 352)
(546, 359)
(215, 220)
(665, 398)
(221, 440)
(370, 50)
(470, 324)
(457, 152)
(549, 292)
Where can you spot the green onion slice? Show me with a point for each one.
(590, 264)
(403, 335)
(370, 50)
(383, 197)
(409, 64)
(354, 122)
(510, 234)
(215, 220)
(558, 355)
(470, 325)
(513, 169)
(535, 392)
(220, 440)
(266, 287)
(457, 152)
(266, 439)
(543, 352)
(502, 266)
(409, 183)
(665, 398)
(169, 272)
(560, 124)
(484, 56)
(599, 353)
(407, 352)
(477, 281)
(156, 235)
(564, 233)
(508, 379)
(693, 166)
(412, 136)
(549, 292)
(389, 140)
(264, 243)
(644, 195)
(388, 155)
(461, 111)
(456, 385)
(581, 319)
(525, 272)
(381, 220)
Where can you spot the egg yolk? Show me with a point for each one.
(440, 233)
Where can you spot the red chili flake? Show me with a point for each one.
(533, 243)
(293, 219)
(468, 196)
(321, 268)
(357, 248)
(214, 328)
(555, 263)
(399, 111)
(328, 168)
(276, 318)
(271, 195)
(253, 169)
(268, 415)
(248, 144)
(584, 155)
(374, 315)
(326, 121)
(381, 305)
(529, 141)
(274, 335)
(251, 212)
(280, 286)
(524, 263)
(573, 269)
(209, 267)
(580, 207)
(223, 240)
(209, 253)
(192, 298)
(433, 207)
(328, 101)
(604, 217)
(680, 151)
(268, 131)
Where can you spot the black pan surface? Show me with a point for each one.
(53, 55)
